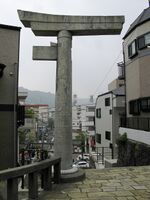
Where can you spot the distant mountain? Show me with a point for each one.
(39, 97)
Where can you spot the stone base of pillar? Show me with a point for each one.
(72, 175)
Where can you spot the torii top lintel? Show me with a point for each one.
(49, 25)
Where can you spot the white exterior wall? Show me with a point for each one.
(44, 113)
(52, 113)
(109, 122)
(22, 97)
(82, 115)
(105, 122)
(136, 135)
(76, 117)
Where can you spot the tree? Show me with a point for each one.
(29, 113)
(81, 138)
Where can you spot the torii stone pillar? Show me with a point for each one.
(64, 27)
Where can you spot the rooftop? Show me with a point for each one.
(142, 18)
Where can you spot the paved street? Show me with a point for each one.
(132, 183)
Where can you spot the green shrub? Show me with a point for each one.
(122, 140)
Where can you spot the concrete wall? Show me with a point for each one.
(137, 135)
(9, 55)
(137, 69)
(115, 84)
(131, 153)
(145, 76)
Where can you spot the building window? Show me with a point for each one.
(143, 41)
(132, 49)
(107, 101)
(110, 111)
(98, 138)
(90, 119)
(90, 109)
(134, 107)
(107, 135)
(147, 39)
(98, 113)
(145, 104)
(91, 128)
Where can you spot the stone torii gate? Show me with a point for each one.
(64, 27)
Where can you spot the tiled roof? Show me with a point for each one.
(143, 17)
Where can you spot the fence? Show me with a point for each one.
(32, 170)
(102, 153)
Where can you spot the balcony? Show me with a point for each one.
(136, 123)
(137, 129)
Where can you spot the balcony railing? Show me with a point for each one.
(136, 123)
(32, 170)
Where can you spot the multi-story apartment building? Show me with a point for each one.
(41, 111)
(110, 107)
(83, 121)
(136, 47)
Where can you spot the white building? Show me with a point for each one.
(83, 121)
(83, 118)
(22, 97)
(52, 113)
(109, 108)
(41, 111)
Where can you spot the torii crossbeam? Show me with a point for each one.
(64, 27)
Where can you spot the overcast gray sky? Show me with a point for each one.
(93, 56)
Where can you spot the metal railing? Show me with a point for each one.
(43, 168)
(138, 123)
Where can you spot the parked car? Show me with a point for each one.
(81, 164)
(83, 157)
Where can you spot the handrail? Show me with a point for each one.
(43, 167)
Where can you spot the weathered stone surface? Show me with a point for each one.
(64, 27)
(44, 53)
(63, 101)
(50, 25)
(83, 190)
(131, 153)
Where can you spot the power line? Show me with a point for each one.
(113, 64)
(109, 70)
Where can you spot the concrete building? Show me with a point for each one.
(41, 115)
(22, 97)
(83, 121)
(136, 47)
(52, 113)
(110, 107)
(9, 65)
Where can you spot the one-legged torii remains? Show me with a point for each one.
(64, 27)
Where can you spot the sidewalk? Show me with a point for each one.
(131, 183)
